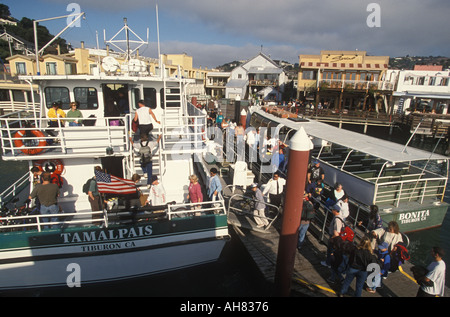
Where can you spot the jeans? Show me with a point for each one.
(148, 168)
(336, 272)
(302, 233)
(74, 124)
(47, 210)
(360, 279)
(376, 282)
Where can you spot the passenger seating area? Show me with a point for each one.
(401, 182)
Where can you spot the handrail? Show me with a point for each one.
(436, 190)
(39, 224)
(218, 207)
(243, 197)
(11, 190)
(355, 222)
(9, 127)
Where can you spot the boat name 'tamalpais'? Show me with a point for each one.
(105, 235)
(414, 216)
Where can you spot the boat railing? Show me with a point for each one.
(359, 212)
(35, 222)
(15, 106)
(196, 209)
(183, 132)
(245, 205)
(411, 189)
(23, 136)
(14, 190)
(188, 133)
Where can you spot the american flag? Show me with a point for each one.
(114, 185)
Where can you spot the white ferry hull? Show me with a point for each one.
(110, 267)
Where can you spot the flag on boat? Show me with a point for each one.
(114, 185)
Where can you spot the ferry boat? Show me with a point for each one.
(119, 242)
(407, 184)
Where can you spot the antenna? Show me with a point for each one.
(159, 47)
(128, 51)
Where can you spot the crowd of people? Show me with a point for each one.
(346, 259)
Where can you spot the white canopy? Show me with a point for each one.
(390, 151)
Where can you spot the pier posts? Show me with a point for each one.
(300, 146)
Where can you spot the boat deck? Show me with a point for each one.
(309, 276)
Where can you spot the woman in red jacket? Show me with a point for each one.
(195, 192)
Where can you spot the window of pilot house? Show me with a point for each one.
(57, 94)
(150, 97)
(86, 96)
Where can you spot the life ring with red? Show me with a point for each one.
(52, 166)
(19, 141)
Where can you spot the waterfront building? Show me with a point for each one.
(216, 82)
(424, 90)
(259, 76)
(349, 80)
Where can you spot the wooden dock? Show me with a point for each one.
(310, 277)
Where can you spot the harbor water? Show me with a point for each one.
(235, 274)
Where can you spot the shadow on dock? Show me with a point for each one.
(310, 276)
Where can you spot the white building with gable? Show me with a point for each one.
(259, 76)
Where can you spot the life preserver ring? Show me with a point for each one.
(51, 166)
(18, 141)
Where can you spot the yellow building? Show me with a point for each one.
(172, 61)
(343, 79)
(22, 65)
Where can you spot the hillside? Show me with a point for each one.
(408, 62)
(24, 31)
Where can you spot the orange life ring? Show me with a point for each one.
(18, 141)
(52, 166)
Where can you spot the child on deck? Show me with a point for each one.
(384, 259)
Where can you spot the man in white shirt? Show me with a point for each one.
(145, 116)
(435, 275)
(157, 194)
(275, 188)
(251, 145)
(343, 204)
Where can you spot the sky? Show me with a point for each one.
(215, 32)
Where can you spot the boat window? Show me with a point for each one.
(4, 95)
(135, 97)
(57, 94)
(18, 95)
(150, 97)
(87, 97)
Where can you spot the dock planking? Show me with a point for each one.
(309, 276)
